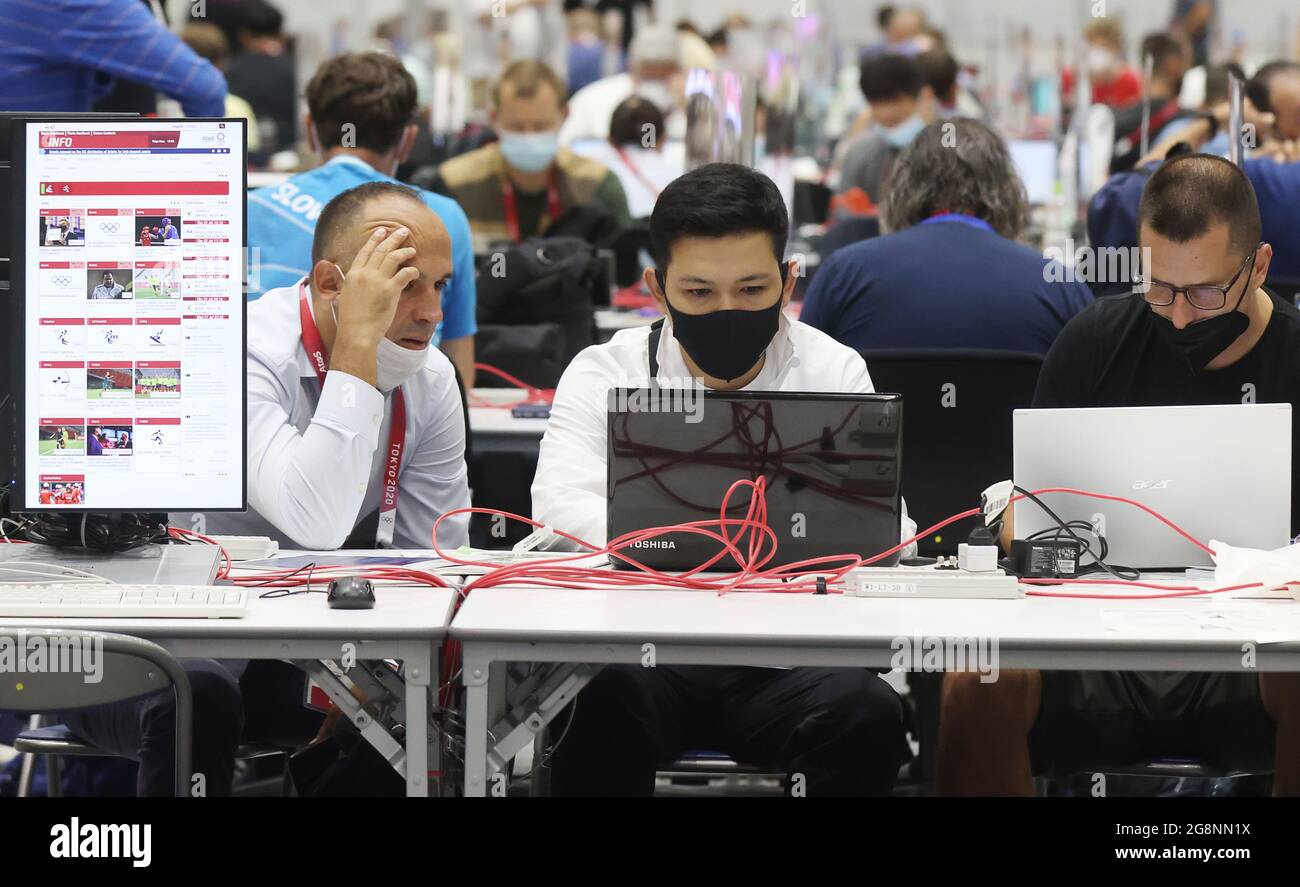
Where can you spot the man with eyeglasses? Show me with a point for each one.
(1199, 328)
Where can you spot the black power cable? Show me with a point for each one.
(1124, 574)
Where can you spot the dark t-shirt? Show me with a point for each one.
(942, 285)
(1111, 356)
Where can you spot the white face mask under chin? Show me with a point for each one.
(393, 363)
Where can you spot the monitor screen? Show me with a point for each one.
(132, 315)
(1035, 161)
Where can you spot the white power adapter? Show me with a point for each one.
(977, 558)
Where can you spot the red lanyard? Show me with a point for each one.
(641, 177)
(512, 208)
(311, 341)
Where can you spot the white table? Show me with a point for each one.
(500, 627)
(495, 430)
(407, 623)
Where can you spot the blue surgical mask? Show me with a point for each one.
(530, 151)
(901, 136)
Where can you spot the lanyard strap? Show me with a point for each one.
(315, 348)
(958, 217)
(640, 176)
(512, 206)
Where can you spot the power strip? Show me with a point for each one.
(247, 548)
(928, 582)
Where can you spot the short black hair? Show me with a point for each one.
(716, 200)
(885, 15)
(1160, 45)
(890, 76)
(340, 210)
(627, 125)
(940, 71)
(1189, 193)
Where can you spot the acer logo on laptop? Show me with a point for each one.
(1152, 484)
(655, 543)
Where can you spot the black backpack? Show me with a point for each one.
(536, 304)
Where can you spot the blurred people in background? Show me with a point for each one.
(638, 153)
(1275, 88)
(624, 15)
(586, 63)
(1195, 20)
(654, 72)
(1170, 60)
(1114, 83)
(942, 74)
(520, 29)
(893, 85)
(210, 43)
(1273, 170)
(908, 33)
(262, 71)
(518, 187)
(952, 274)
(64, 55)
(360, 121)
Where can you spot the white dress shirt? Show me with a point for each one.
(316, 455)
(592, 107)
(569, 490)
(644, 174)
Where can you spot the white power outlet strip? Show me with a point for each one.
(917, 583)
(247, 548)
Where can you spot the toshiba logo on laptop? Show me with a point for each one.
(655, 543)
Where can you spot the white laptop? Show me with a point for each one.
(1219, 472)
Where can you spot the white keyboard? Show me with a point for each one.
(110, 601)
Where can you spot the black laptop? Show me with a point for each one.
(831, 464)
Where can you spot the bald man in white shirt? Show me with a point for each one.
(337, 366)
(719, 234)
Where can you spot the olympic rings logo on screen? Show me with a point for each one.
(109, 227)
(61, 280)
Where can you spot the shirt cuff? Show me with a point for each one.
(349, 402)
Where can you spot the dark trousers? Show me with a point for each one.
(264, 704)
(832, 731)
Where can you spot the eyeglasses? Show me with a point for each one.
(1202, 296)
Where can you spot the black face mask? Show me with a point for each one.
(1199, 343)
(726, 344)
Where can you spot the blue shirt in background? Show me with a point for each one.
(282, 222)
(1112, 212)
(943, 285)
(63, 55)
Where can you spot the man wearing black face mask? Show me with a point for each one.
(1201, 330)
(718, 234)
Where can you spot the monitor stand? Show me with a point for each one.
(146, 565)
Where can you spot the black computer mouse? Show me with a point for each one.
(351, 593)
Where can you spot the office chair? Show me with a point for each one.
(128, 667)
(957, 406)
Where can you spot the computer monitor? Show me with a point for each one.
(1035, 160)
(127, 326)
(831, 464)
(1219, 472)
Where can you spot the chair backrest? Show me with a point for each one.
(49, 669)
(957, 406)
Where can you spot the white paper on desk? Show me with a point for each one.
(1270, 624)
(1238, 566)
